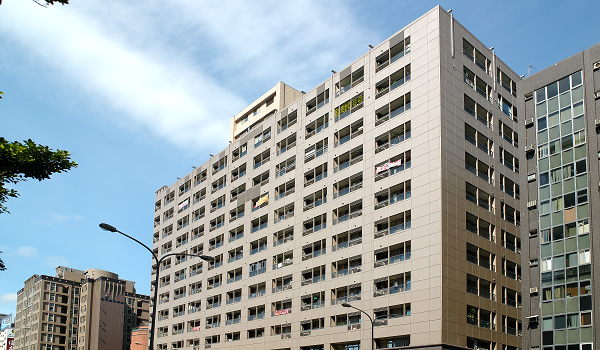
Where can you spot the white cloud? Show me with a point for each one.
(8, 298)
(26, 251)
(61, 219)
(181, 69)
(55, 261)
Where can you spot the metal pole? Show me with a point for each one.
(372, 328)
(158, 261)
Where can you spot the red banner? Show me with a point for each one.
(282, 312)
(387, 166)
(9, 343)
(195, 329)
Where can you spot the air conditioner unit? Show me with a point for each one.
(533, 290)
(597, 121)
(596, 65)
(597, 94)
(531, 204)
(528, 95)
(529, 148)
(529, 121)
(531, 177)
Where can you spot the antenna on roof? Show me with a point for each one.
(530, 66)
(371, 46)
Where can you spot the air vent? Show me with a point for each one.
(528, 121)
(532, 204)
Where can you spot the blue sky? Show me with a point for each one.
(141, 91)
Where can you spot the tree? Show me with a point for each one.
(2, 266)
(21, 161)
(48, 2)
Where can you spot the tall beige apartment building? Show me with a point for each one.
(78, 310)
(391, 186)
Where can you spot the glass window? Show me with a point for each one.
(552, 90)
(540, 95)
(564, 85)
(576, 78)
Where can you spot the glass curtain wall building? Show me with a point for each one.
(562, 182)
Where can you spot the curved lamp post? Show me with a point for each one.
(370, 318)
(107, 227)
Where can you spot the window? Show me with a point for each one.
(185, 187)
(477, 111)
(392, 254)
(287, 121)
(478, 140)
(315, 199)
(285, 189)
(392, 284)
(347, 159)
(313, 275)
(312, 301)
(283, 236)
(236, 192)
(350, 184)
(219, 184)
(315, 224)
(283, 213)
(316, 150)
(350, 106)
(392, 137)
(239, 152)
(347, 212)
(200, 177)
(398, 78)
(346, 134)
(481, 257)
(282, 283)
(238, 172)
(315, 175)
(317, 126)
(236, 213)
(259, 223)
(346, 239)
(283, 259)
(479, 168)
(258, 245)
(393, 109)
(479, 197)
(262, 158)
(313, 250)
(198, 196)
(477, 57)
(393, 166)
(481, 287)
(258, 268)
(234, 275)
(286, 144)
(217, 223)
(393, 224)
(346, 266)
(393, 195)
(219, 165)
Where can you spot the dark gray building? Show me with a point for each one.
(560, 181)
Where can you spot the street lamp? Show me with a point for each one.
(370, 318)
(107, 227)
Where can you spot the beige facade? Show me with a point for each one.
(78, 310)
(263, 108)
(386, 187)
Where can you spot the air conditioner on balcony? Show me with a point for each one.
(533, 290)
(597, 65)
(529, 121)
